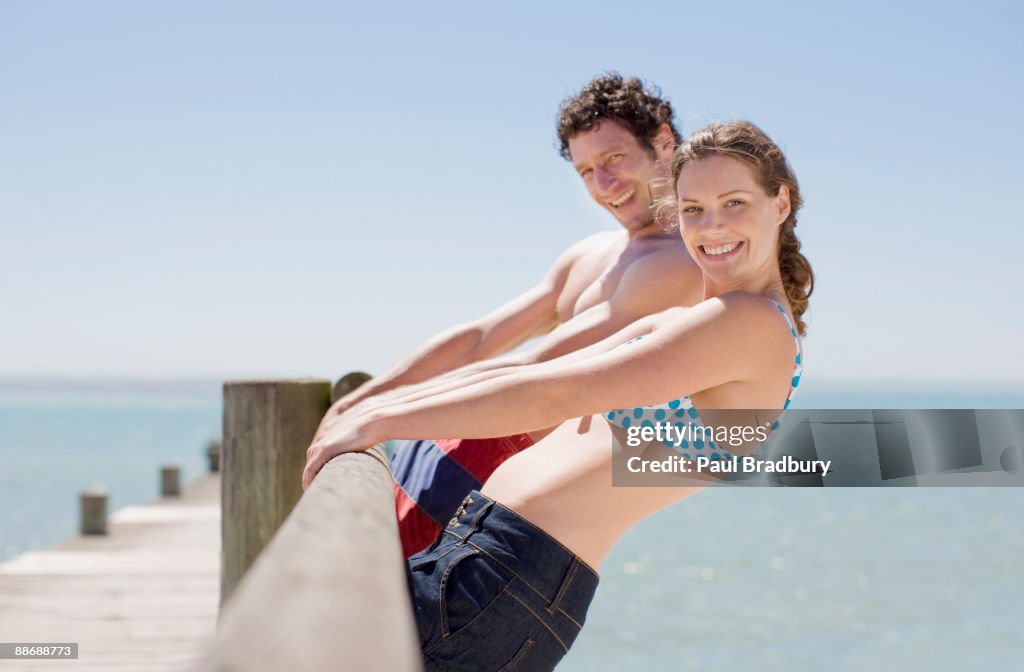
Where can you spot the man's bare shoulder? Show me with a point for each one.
(671, 258)
(666, 277)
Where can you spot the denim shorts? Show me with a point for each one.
(495, 592)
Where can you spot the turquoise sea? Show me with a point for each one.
(58, 438)
(734, 578)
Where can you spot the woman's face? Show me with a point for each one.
(728, 222)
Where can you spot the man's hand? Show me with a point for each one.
(348, 406)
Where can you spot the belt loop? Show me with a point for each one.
(566, 582)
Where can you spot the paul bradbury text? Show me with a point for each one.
(677, 464)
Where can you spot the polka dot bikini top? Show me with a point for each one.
(681, 412)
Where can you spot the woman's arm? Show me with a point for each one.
(689, 350)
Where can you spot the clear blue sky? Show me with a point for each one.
(245, 189)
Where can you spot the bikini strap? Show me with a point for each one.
(798, 367)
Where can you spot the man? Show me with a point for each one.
(619, 136)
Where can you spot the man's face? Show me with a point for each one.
(618, 170)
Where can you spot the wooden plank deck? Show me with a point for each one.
(144, 597)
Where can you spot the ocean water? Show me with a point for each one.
(733, 578)
(813, 579)
(786, 579)
(59, 439)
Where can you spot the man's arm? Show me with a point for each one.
(525, 317)
(670, 279)
(444, 384)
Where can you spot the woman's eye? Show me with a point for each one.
(734, 201)
(689, 210)
(615, 158)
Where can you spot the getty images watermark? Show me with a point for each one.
(704, 449)
(826, 448)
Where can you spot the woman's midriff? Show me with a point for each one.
(563, 485)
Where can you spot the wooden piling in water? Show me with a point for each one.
(170, 480)
(213, 455)
(93, 505)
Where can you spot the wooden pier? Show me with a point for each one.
(144, 597)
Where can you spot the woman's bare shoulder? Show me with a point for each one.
(733, 324)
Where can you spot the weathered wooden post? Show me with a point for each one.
(267, 427)
(213, 455)
(93, 505)
(170, 481)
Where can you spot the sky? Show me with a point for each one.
(305, 188)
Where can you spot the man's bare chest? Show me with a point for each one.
(595, 279)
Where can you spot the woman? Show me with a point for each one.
(508, 584)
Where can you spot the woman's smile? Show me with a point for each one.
(720, 251)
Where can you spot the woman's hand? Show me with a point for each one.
(336, 435)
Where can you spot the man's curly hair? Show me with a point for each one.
(639, 109)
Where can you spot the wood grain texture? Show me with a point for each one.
(267, 427)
